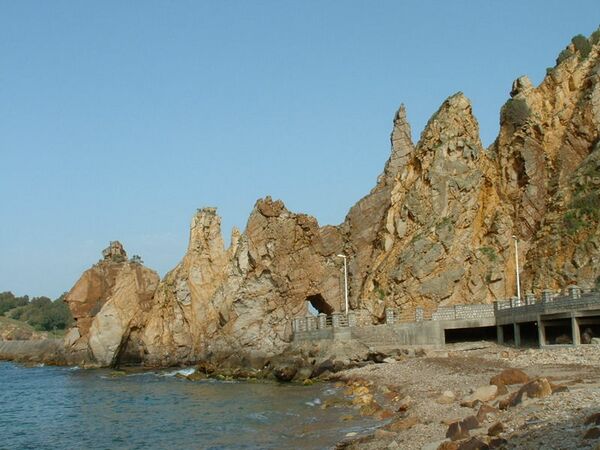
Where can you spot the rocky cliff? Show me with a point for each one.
(437, 229)
(109, 304)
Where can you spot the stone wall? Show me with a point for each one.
(463, 312)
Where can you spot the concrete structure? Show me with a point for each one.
(551, 320)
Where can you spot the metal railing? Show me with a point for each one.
(504, 309)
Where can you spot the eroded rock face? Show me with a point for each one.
(108, 303)
(436, 237)
(250, 292)
(437, 229)
(546, 155)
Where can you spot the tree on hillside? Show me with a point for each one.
(40, 312)
(8, 301)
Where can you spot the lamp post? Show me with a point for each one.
(345, 281)
(517, 267)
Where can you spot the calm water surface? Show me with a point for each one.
(68, 408)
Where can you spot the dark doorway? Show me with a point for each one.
(529, 334)
(558, 332)
(589, 329)
(319, 304)
(509, 334)
(470, 334)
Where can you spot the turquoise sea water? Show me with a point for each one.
(69, 408)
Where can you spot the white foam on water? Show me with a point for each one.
(183, 372)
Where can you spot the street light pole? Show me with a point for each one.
(517, 267)
(345, 281)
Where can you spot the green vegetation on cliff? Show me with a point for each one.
(41, 313)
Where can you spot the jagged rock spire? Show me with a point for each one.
(401, 142)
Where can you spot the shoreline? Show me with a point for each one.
(430, 399)
(416, 397)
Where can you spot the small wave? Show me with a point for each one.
(182, 372)
(315, 402)
(259, 417)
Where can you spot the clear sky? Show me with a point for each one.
(119, 119)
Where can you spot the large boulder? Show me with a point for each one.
(510, 376)
(108, 304)
(480, 395)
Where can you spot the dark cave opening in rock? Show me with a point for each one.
(319, 305)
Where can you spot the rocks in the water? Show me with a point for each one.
(285, 373)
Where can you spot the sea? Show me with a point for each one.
(47, 407)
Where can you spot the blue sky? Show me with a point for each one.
(119, 119)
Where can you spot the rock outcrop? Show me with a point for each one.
(238, 303)
(108, 304)
(437, 229)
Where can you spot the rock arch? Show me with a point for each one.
(318, 302)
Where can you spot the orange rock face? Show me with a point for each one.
(437, 229)
(108, 303)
